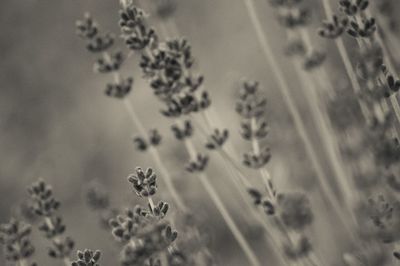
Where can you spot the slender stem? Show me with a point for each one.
(378, 38)
(223, 152)
(265, 176)
(56, 240)
(222, 209)
(391, 38)
(156, 157)
(284, 89)
(254, 141)
(229, 221)
(23, 262)
(168, 181)
(164, 258)
(329, 145)
(393, 98)
(322, 121)
(151, 204)
(353, 77)
(67, 261)
(327, 8)
(135, 119)
(348, 66)
(274, 239)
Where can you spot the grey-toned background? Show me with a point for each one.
(56, 123)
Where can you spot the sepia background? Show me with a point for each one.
(56, 123)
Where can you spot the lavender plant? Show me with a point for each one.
(15, 239)
(144, 231)
(290, 212)
(345, 113)
(119, 89)
(45, 205)
(87, 258)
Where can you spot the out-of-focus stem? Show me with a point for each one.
(22, 262)
(348, 65)
(229, 221)
(224, 152)
(329, 144)
(322, 123)
(222, 209)
(168, 181)
(67, 261)
(284, 89)
(391, 38)
(388, 61)
(135, 119)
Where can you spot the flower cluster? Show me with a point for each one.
(334, 28)
(168, 66)
(87, 258)
(144, 231)
(144, 182)
(181, 133)
(108, 61)
(198, 164)
(217, 139)
(251, 107)
(290, 211)
(294, 16)
(15, 237)
(154, 139)
(45, 205)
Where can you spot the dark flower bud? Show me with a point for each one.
(257, 161)
(217, 139)
(140, 143)
(87, 27)
(144, 183)
(87, 258)
(185, 132)
(120, 88)
(197, 165)
(155, 137)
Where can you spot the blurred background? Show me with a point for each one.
(56, 123)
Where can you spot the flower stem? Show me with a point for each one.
(294, 112)
(56, 240)
(222, 210)
(157, 159)
(151, 204)
(22, 262)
